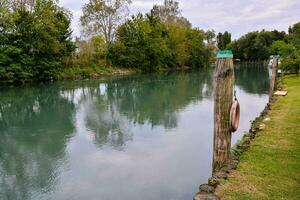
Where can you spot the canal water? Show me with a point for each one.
(144, 137)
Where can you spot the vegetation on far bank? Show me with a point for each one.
(259, 45)
(270, 168)
(36, 43)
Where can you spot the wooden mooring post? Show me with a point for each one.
(223, 96)
(273, 78)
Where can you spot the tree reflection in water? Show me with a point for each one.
(111, 107)
(35, 125)
(253, 78)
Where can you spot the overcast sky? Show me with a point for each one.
(235, 16)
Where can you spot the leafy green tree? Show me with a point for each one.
(141, 43)
(210, 37)
(149, 44)
(223, 39)
(176, 40)
(200, 55)
(99, 46)
(103, 17)
(289, 49)
(291, 63)
(170, 12)
(294, 35)
(89, 53)
(282, 48)
(177, 28)
(35, 40)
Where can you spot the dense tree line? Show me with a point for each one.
(255, 45)
(162, 39)
(146, 43)
(260, 45)
(36, 44)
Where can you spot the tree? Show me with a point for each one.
(89, 52)
(282, 48)
(291, 63)
(149, 44)
(223, 39)
(169, 12)
(99, 46)
(141, 43)
(176, 40)
(103, 17)
(210, 37)
(199, 54)
(35, 40)
(289, 49)
(294, 35)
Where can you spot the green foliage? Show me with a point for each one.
(141, 43)
(291, 63)
(34, 42)
(294, 35)
(199, 54)
(289, 50)
(149, 44)
(223, 39)
(89, 53)
(255, 45)
(177, 36)
(99, 45)
(281, 48)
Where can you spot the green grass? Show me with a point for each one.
(270, 169)
(91, 72)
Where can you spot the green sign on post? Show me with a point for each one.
(225, 54)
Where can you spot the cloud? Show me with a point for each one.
(238, 17)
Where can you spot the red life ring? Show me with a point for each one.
(234, 116)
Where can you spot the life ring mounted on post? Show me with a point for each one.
(234, 115)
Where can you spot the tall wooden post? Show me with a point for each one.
(223, 96)
(273, 78)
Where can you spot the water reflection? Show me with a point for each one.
(155, 99)
(253, 78)
(112, 107)
(35, 125)
(118, 136)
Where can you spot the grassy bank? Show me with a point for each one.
(77, 73)
(270, 169)
(92, 72)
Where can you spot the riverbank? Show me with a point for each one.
(77, 73)
(83, 73)
(270, 168)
